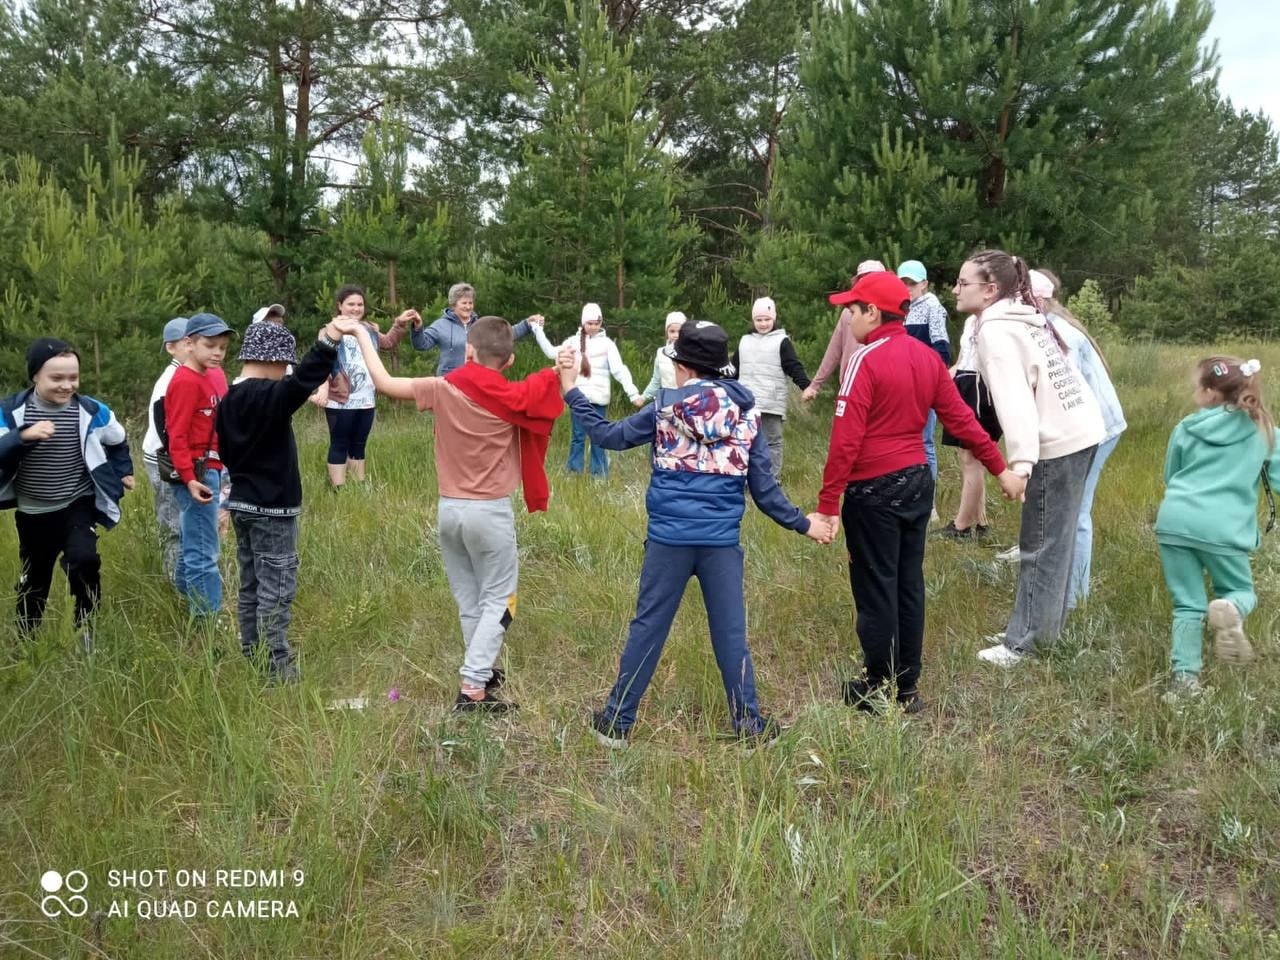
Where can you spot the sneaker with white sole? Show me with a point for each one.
(1002, 656)
(1012, 555)
(1183, 687)
(1229, 642)
(607, 733)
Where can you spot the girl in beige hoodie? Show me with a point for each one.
(1052, 427)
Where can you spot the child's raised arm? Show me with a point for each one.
(399, 388)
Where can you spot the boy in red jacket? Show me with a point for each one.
(491, 437)
(190, 405)
(877, 459)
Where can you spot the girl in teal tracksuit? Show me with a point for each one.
(1208, 519)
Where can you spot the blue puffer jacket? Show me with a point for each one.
(103, 444)
(707, 450)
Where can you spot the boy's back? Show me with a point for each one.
(477, 453)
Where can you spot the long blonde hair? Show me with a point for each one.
(1238, 389)
(1050, 305)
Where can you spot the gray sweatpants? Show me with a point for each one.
(771, 427)
(1046, 540)
(167, 518)
(478, 544)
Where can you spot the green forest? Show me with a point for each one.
(160, 157)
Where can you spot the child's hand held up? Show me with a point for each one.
(40, 430)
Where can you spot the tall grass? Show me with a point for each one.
(1060, 811)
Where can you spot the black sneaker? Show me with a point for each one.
(609, 735)
(980, 530)
(770, 730)
(495, 681)
(863, 696)
(911, 703)
(487, 704)
(283, 674)
(952, 532)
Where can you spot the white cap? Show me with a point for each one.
(869, 266)
(262, 313)
(675, 316)
(591, 311)
(764, 307)
(1041, 286)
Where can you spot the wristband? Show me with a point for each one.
(328, 341)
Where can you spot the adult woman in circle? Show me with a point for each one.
(350, 403)
(449, 331)
(1052, 428)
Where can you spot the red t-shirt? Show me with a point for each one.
(886, 392)
(190, 405)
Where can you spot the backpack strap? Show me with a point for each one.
(1271, 501)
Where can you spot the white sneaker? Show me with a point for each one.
(1229, 642)
(933, 517)
(1012, 555)
(1002, 656)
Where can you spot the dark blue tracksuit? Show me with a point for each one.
(707, 449)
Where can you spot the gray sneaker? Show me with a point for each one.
(1183, 687)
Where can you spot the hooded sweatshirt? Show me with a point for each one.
(605, 360)
(1212, 472)
(1046, 409)
(706, 451)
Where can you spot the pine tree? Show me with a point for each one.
(591, 214)
(1050, 127)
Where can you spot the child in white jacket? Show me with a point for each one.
(664, 368)
(598, 360)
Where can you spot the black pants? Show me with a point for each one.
(71, 532)
(886, 520)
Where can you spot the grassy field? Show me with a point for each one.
(1059, 811)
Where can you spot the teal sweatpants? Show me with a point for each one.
(1184, 570)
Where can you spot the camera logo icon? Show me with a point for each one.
(74, 883)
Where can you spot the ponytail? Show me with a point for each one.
(1239, 385)
(584, 365)
(1012, 278)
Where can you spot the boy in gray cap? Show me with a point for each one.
(165, 493)
(255, 438)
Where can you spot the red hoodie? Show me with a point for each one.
(886, 392)
(531, 405)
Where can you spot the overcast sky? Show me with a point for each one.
(1248, 35)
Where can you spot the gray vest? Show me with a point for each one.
(759, 357)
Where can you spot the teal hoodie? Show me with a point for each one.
(1212, 473)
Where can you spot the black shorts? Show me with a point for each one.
(978, 399)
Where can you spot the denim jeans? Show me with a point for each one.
(930, 450)
(1082, 556)
(168, 520)
(663, 576)
(198, 577)
(1046, 541)
(267, 551)
(771, 427)
(578, 440)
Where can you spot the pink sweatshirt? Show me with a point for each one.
(839, 349)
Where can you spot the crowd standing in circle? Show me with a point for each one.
(1026, 370)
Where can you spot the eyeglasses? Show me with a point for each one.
(970, 283)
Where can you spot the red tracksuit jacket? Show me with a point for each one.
(886, 392)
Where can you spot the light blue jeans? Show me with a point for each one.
(577, 445)
(930, 451)
(198, 577)
(1082, 555)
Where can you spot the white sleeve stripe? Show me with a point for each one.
(854, 363)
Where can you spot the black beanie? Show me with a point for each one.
(42, 351)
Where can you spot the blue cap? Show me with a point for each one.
(912, 270)
(174, 330)
(206, 325)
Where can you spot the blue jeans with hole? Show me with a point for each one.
(267, 552)
(578, 442)
(198, 577)
(1082, 556)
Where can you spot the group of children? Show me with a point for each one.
(712, 422)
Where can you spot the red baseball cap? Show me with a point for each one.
(880, 289)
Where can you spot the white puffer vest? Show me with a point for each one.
(759, 357)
